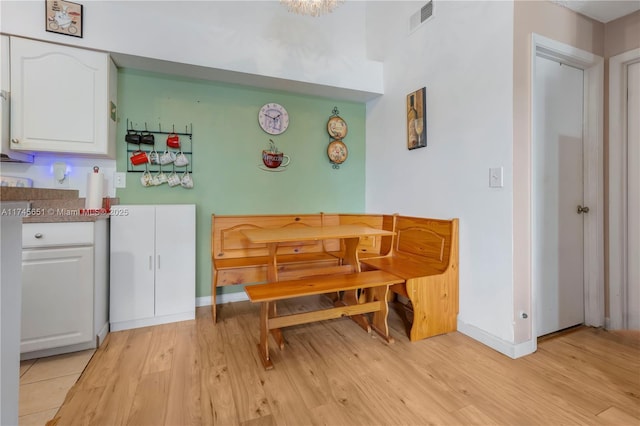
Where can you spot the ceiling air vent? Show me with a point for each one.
(421, 16)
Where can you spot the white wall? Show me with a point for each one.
(41, 172)
(243, 37)
(464, 58)
(249, 37)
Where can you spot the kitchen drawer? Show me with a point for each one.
(56, 234)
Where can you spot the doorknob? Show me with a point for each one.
(584, 209)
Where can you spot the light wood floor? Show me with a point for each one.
(333, 373)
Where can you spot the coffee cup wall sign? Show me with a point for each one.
(273, 160)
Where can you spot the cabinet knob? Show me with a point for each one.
(38, 235)
(14, 140)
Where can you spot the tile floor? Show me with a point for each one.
(44, 383)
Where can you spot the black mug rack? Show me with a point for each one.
(139, 140)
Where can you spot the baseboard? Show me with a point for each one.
(203, 301)
(102, 334)
(43, 353)
(145, 322)
(239, 296)
(512, 350)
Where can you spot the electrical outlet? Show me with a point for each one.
(495, 177)
(61, 184)
(120, 179)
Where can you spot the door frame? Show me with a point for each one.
(593, 174)
(618, 254)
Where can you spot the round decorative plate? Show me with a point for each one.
(337, 127)
(337, 151)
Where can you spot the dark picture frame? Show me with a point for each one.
(417, 119)
(63, 17)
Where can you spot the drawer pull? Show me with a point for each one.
(38, 235)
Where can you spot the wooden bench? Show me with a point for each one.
(424, 253)
(375, 283)
(235, 260)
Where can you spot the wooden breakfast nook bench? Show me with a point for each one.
(424, 253)
(375, 283)
(236, 260)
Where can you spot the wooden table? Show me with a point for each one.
(349, 234)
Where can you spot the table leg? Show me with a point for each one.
(272, 266)
(263, 346)
(351, 253)
(272, 277)
(351, 297)
(379, 320)
(276, 333)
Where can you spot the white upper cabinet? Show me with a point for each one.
(63, 99)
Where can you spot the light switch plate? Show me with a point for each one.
(495, 177)
(120, 180)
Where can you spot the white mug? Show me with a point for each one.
(181, 159)
(160, 178)
(186, 181)
(146, 179)
(173, 179)
(167, 158)
(154, 157)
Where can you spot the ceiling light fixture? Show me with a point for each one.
(311, 7)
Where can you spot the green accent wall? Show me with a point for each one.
(227, 153)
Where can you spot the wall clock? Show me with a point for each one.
(273, 118)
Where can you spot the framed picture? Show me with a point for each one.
(63, 17)
(417, 119)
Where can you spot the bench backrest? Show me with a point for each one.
(433, 242)
(228, 241)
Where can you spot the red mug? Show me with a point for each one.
(173, 141)
(139, 157)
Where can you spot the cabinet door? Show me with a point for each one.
(132, 264)
(59, 98)
(175, 259)
(57, 297)
(5, 95)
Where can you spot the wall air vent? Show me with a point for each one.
(421, 16)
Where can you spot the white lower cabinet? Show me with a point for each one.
(64, 285)
(152, 265)
(57, 296)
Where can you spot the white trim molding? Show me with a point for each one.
(512, 350)
(593, 67)
(618, 256)
(239, 296)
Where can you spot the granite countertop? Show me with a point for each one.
(54, 205)
(9, 193)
